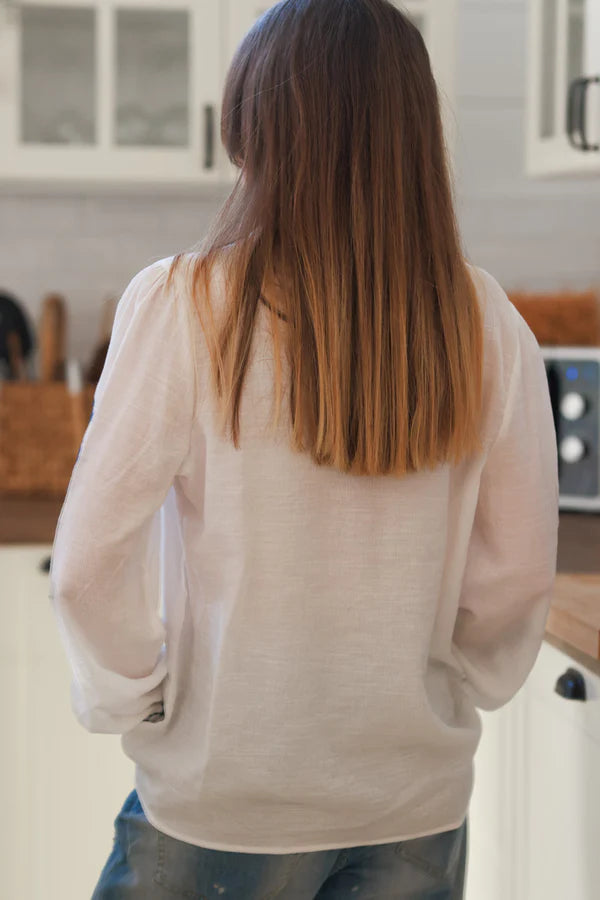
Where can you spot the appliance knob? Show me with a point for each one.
(572, 406)
(571, 685)
(572, 449)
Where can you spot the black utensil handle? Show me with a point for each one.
(209, 136)
(577, 113)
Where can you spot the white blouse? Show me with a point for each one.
(319, 642)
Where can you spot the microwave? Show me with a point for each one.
(573, 375)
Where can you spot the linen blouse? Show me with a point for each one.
(295, 657)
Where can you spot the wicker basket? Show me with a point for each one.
(41, 428)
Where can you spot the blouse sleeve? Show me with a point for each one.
(511, 562)
(104, 577)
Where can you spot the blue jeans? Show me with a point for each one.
(146, 864)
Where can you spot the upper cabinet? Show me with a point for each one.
(124, 92)
(101, 90)
(563, 96)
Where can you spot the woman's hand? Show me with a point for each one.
(156, 716)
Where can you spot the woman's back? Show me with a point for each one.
(349, 510)
(328, 636)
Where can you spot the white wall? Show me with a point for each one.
(529, 234)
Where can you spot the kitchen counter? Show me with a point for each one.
(574, 620)
(28, 520)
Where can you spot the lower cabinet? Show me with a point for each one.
(535, 811)
(534, 819)
(61, 787)
(491, 870)
(560, 805)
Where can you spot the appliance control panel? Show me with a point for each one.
(574, 383)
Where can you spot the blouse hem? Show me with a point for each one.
(277, 850)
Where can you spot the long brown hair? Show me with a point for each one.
(331, 111)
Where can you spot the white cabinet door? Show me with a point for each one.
(534, 817)
(592, 37)
(61, 786)
(592, 68)
(238, 17)
(492, 865)
(110, 90)
(561, 804)
(562, 47)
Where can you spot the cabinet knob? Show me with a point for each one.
(571, 685)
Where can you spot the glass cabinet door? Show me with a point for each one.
(152, 78)
(561, 61)
(123, 91)
(58, 96)
(557, 56)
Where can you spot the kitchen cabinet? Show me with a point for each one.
(491, 863)
(535, 815)
(129, 91)
(563, 46)
(61, 786)
(560, 807)
(109, 90)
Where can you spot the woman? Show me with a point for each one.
(328, 440)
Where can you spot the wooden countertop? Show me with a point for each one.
(574, 620)
(28, 520)
(575, 613)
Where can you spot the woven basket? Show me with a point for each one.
(41, 428)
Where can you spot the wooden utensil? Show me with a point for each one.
(52, 338)
(94, 369)
(15, 355)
